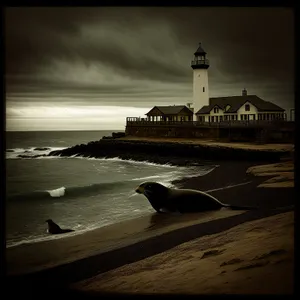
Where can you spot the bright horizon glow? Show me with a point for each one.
(61, 118)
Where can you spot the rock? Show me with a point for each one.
(41, 149)
(116, 135)
(162, 153)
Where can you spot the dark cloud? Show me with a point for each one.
(134, 54)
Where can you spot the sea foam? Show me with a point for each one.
(30, 152)
(57, 192)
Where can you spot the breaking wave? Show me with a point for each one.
(113, 187)
(32, 152)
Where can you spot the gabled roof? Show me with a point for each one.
(171, 109)
(205, 109)
(236, 102)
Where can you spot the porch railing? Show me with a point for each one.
(200, 62)
(231, 123)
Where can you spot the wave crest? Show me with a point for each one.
(31, 152)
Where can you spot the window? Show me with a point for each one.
(247, 107)
(227, 107)
(216, 110)
(203, 89)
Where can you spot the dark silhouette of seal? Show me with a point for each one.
(164, 199)
(53, 228)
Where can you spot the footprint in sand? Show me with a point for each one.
(231, 262)
(212, 253)
(271, 253)
(251, 266)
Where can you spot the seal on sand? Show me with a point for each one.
(53, 228)
(164, 199)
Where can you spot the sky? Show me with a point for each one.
(88, 68)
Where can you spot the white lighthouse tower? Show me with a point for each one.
(200, 82)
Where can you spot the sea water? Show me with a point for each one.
(75, 192)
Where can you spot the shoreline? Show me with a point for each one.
(45, 237)
(204, 183)
(90, 252)
(180, 152)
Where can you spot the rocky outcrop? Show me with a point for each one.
(115, 135)
(41, 148)
(162, 153)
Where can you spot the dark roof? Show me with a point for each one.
(171, 109)
(199, 50)
(205, 109)
(236, 102)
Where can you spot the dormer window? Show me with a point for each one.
(216, 110)
(227, 107)
(247, 107)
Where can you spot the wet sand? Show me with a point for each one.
(23, 259)
(61, 263)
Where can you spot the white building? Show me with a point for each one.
(200, 66)
(243, 107)
(204, 109)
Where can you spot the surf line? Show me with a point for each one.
(228, 187)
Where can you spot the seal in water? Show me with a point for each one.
(164, 199)
(53, 228)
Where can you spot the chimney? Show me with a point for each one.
(244, 92)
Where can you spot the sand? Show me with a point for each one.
(213, 143)
(282, 174)
(252, 258)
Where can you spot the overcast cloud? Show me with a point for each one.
(90, 68)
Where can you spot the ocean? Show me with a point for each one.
(75, 192)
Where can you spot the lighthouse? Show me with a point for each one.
(200, 67)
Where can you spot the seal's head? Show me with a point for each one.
(49, 221)
(152, 189)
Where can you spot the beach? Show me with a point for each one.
(93, 262)
(252, 258)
